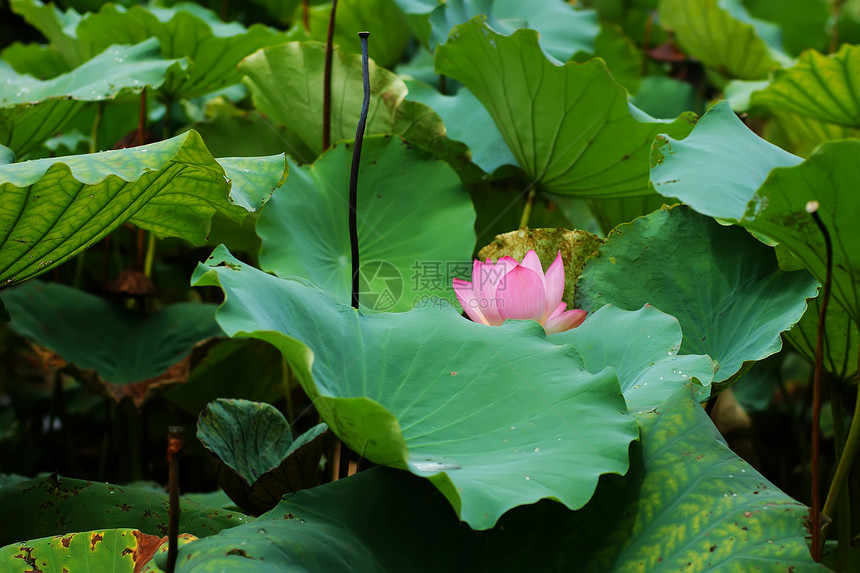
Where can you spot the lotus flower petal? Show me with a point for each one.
(565, 321)
(508, 289)
(466, 295)
(521, 294)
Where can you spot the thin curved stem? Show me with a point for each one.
(353, 172)
(815, 466)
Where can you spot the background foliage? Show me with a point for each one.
(174, 251)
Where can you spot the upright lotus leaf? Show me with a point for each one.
(79, 505)
(468, 121)
(722, 35)
(116, 550)
(413, 213)
(818, 87)
(570, 127)
(495, 417)
(257, 461)
(286, 84)
(389, 31)
(688, 503)
(841, 339)
(575, 247)
(33, 110)
(718, 176)
(723, 286)
(57, 26)
(213, 47)
(55, 208)
(130, 348)
(646, 358)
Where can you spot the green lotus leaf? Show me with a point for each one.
(257, 459)
(724, 37)
(564, 31)
(58, 27)
(688, 503)
(723, 286)
(131, 348)
(468, 121)
(718, 192)
(56, 208)
(495, 417)
(801, 135)
(818, 87)
(213, 47)
(79, 505)
(116, 550)
(33, 110)
(286, 84)
(415, 225)
(569, 127)
(38, 60)
(728, 172)
(646, 358)
(804, 24)
(389, 31)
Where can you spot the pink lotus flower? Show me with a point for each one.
(508, 289)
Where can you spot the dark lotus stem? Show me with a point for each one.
(812, 209)
(306, 17)
(175, 441)
(326, 133)
(353, 173)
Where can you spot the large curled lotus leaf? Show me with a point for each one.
(415, 224)
(495, 417)
(575, 247)
(213, 47)
(713, 172)
(724, 287)
(688, 503)
(468, 121)
(32, 110)
(570, 127)
(257, 460)
(721, 35)
(131, 347)
(79, 505)
(284, 81)
(818, 87)
(55, 208)
(115, 550)
(389, 31)
(646, 359)
(841, 339)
